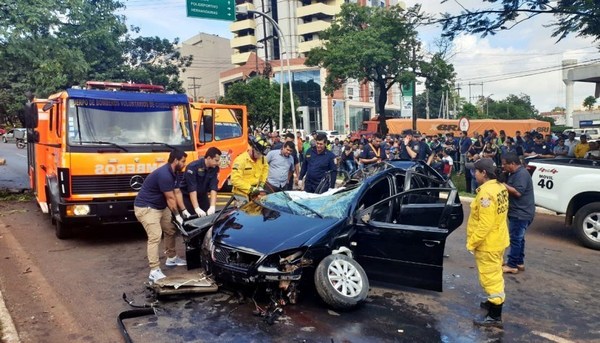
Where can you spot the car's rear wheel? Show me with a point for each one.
(4, 140)
(587, 225)
(341, 282)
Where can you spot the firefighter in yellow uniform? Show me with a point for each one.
(250, 170)
(487, 237)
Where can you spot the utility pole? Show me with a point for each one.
(426, 103)
(194, 87)
(414, 94)
(475, 84)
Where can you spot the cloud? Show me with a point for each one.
(169, 20)
(501, 62)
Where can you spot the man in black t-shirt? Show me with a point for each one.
(157, 202)
(521, 210)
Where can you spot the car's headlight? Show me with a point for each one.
(78, 210)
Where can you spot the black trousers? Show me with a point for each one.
(202, 202)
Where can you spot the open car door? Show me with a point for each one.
(400, 240)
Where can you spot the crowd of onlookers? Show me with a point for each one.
(449, 154)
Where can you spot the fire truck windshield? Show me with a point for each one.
(128, 124)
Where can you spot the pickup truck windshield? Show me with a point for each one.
(128, 123)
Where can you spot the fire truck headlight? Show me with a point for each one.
(79, 210)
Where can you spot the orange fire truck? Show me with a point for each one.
(90, 149)
(224, 127)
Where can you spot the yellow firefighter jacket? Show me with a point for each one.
(247, 173)
(487, 229)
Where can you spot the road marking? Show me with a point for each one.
(25, 156)
(552, 337)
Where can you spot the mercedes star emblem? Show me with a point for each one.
(136, 182)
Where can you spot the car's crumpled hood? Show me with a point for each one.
(258, 229)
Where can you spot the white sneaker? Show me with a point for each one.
(175, 261)
(156, 274)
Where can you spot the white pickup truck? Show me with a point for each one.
(570, 186)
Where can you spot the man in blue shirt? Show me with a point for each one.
(200, 180)
(408, 146)
(157, 202)
(538, 149)
(318, 161)
(373, 152)
(464, 143)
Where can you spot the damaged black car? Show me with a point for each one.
(386, 224)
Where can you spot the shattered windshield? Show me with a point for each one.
(371, 170)
(128, 123)
(333, 204)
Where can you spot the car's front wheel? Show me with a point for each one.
(341, 282)
(205, 252)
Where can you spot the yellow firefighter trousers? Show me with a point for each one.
(489, 266)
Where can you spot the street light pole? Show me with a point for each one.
(487, 105)
(243, 9)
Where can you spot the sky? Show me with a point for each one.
(498, 62)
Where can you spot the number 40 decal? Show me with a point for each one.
(546, 183)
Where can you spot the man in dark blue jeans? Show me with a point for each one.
(521, 210)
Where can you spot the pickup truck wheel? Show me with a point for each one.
(341, 282)
(587, 225)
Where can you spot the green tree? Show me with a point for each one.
(46, 46)
(371, 44)
(580, 17)
(513, 107)
(470, 111)
(261, 98)
(589, 102)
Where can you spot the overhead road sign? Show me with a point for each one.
(211, 9)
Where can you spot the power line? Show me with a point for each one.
(530, 72)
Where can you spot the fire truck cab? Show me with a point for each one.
(224, 127)
(92, 148)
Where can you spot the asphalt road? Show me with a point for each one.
(13, 175)
(71, 291)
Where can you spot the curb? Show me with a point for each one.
(9, 332)
(538, 209)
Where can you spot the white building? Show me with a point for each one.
(301, 21)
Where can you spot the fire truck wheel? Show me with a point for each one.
(62, 231)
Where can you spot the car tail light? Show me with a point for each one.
(530, 169)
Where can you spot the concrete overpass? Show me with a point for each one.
(575, 73)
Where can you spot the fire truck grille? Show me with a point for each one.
(99, 184)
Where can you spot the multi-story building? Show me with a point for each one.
(301, 22)
(211, 55)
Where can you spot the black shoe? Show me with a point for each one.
(493, 317)
(488, 322)
(485, 305)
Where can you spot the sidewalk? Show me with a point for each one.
(7, 327)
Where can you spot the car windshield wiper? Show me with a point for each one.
(104, 143)
(155, 143)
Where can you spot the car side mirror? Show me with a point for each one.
(363, 217)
